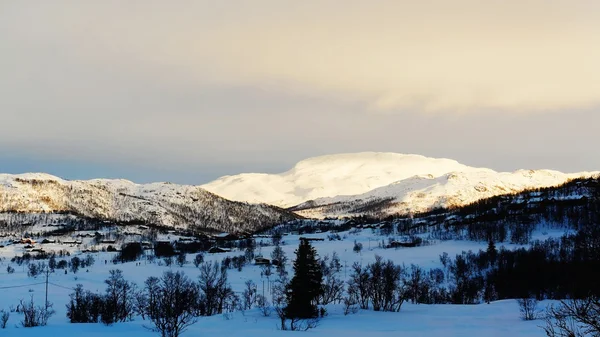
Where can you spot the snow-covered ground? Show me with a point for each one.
(496, 319)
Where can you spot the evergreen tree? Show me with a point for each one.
(492, 252)
(304, 289)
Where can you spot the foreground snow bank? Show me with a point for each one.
(496, 319)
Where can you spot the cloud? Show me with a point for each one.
(200, 85)
(466, 56)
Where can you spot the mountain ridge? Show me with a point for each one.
(118, 200)
(347, 184)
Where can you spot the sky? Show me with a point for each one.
(187, 91)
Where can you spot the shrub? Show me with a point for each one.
(198, 259)
(84, 306)
(357, 247)
(574, 318)
(35, 316)
(181, 259)
(4, 315)
(75, 264)
(528, 308)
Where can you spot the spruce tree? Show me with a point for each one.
(492, 252)
(305, 287)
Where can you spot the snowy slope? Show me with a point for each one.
(166, 204)
(421, 193)
(415, 320)
(379, 184)
(329, 176)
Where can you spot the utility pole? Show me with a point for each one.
(345, 268)
(47, 276)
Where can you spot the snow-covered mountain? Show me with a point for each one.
(379, 184)
(423, 193)
(181, 206)
(329, 176)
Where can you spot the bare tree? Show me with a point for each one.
(118, 301)
(174, 304)
(574, 318)
(214, 289)
(264, 305)
(249, 295)
(35, 316)
(528, 308)
(332, 286)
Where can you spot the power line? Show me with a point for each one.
(21, 286)
(57, 285)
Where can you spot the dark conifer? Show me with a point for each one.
(305, 287)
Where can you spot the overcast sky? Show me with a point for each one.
(187, 91)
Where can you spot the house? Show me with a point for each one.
(225, 237)
(186, 239)
(219, 250)
(147, 245)
(311, 239)
(397, 244)
(259, 260)
(46, 241)
(27, 241)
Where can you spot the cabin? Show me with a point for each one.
(46, 241)
(398, 244)
(311, 239)
(214, 250)
(147, 245)
(259, 260)
(27, 241)
(186, 239)
(225, 237)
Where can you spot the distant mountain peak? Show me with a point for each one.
(413, 181)
(332, 175)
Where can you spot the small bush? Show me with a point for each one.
(10, 269)
(4, 315)
(528, 308)
(357, 247)
(198, 260)
(62, 264)
(264, 305)
(35, 316)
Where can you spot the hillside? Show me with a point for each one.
(423, 193)
(379, 184)
(180, 206)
